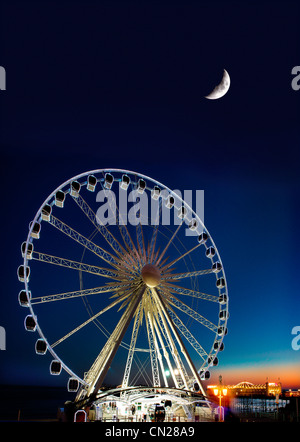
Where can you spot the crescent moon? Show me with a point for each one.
(221, 89)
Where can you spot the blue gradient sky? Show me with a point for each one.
(121, 84)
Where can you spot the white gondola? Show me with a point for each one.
(220, 283)
(73, 385)
(210, 252)
(223, 299)
(222, 331)
(55, 367)
(60, 198)
(204, 375)
(223, 315)
(75, 189)
(23, 273)
(182, 212)
(218, 346)
(170, 202)
(125, 182)
(40, 347)
(91, 183)
(29, 250)
(141, 185)
(203, 237)
(193, 224)
(196, 386)
(30, 323)
(155, 193)
(217, 267)
(213, 361)
(36, 230)
(23, 298)
(46, 212)
(108, 181)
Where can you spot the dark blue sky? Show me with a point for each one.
(122, 84)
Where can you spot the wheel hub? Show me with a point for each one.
(151, 275)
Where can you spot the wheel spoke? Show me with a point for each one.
(78, 293)
(152, 243)
(179, 258)
(79, 327)
(187, 334)
(195, 294)
(171, 299)
(107, 235)
(63, 262)
(170, 277)
(73, 234)
(168, 245)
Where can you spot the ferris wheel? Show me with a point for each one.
(122, 280)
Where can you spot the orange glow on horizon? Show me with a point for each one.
(289, 376)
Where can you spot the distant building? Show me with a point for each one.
(246, 388)
(292, 393)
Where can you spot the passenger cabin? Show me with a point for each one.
(222, 331)
(55, 367)
(213, 361)
(75, 189)
(40, 347)
(23, 298)
(203, 237)
(223, 299)
(46, 212)
(182, 212)
(141, 185)
(220, 283)
(193, 224)
(204, 375)
(125, 182)
(30, 323)
(73, 385)
(155, 192)
(108, 181)
(60, 198)
(217, 267)
(22, 273)
(29, 250)
(223, 315)
(170, 202)
(36, 229)
(91, 183)
(218, 346)
(210, 252)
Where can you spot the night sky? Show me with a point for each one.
(94, 85)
